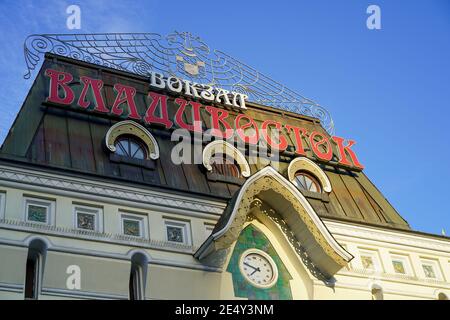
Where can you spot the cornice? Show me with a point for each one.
(388, 236)
(57, 183)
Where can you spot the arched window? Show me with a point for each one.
(225, 166)
(307, 182)
(308, 176)
(136, 285)
(442, 296)
(131, 147)
(34, 268)
(377, 292)
(129, 140)
(225, 163)
(138, 275)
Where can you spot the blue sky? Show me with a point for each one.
(388, 89)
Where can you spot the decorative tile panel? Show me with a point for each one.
(251, 237)
(85, 221)
(175, 234)
(131, 227)
(37, 213)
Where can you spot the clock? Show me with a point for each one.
(258, 268)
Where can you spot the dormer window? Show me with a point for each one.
(129, 146)
(309, 178)
(307, 182)
(223, 165)
(131, 143)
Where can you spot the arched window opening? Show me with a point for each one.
(136, 284)
(32, 275)
(138, 275)
(311, 178)
(442, 296)
(225, 165)
(34, 269)
(307, 182)
(131, 143)
(377, 293)
(130, 147)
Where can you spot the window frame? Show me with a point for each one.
(97, 212)
(215, 175)
(223, 159)
(184, 225)
(314, 179)
(141, 218)
(46, 203)
(135, 140)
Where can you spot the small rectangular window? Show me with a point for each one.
(40, 211)
(88, 218)
(133, 225)
(178, 232)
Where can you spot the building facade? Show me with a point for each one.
(96, 203)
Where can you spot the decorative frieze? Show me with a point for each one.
(103, 190)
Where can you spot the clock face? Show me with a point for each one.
(258, 268)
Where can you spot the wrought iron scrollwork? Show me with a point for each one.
(178, 54)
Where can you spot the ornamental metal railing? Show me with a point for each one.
(178, 54)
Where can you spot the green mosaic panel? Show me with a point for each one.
(131, 228)
(429, 271)
(398, 266)
(252, 237)
(37, 213)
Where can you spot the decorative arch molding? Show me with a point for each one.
(43, 242)
(139, 270)
(144, 257)
(221, 146)
(281, 195)
(305, 164)
(129, 127)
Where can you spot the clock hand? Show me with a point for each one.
(256, 270)
(250, 266)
